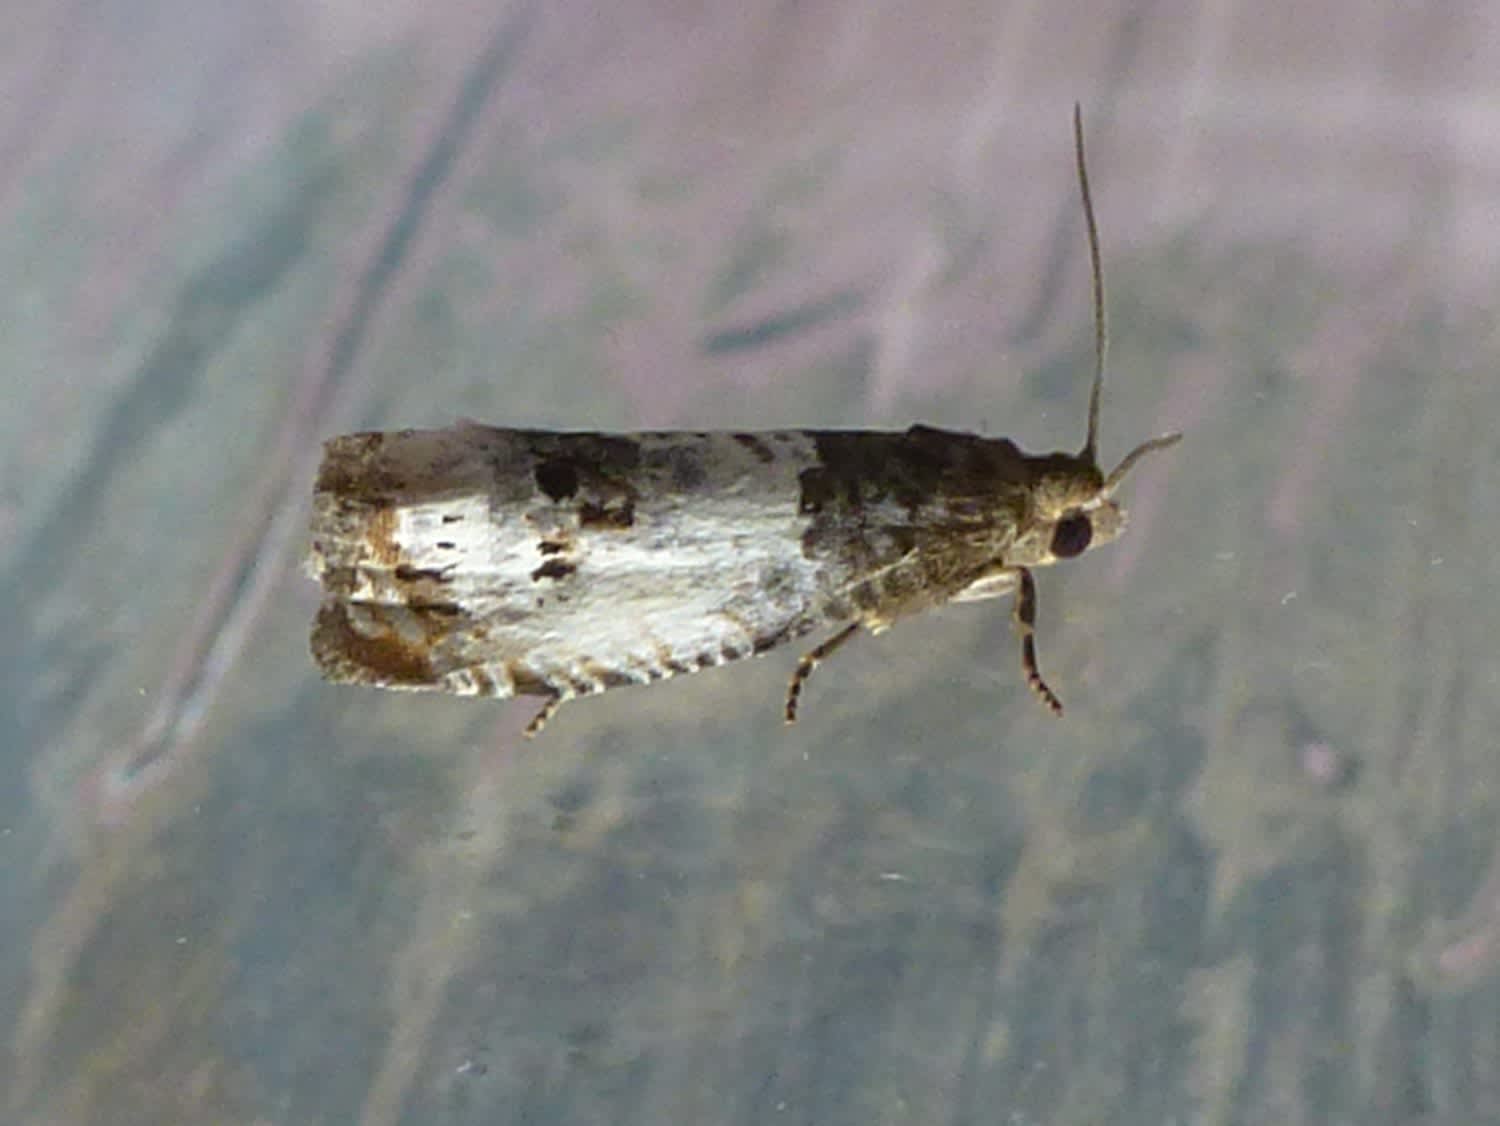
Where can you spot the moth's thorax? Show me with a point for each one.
(1067, 512)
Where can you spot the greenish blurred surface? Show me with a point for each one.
(1250, 878)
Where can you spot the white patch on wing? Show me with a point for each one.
(698, 577)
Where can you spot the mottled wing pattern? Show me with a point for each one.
(500, 562)
(913, 518)
(476, 560)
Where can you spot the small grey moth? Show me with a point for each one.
(496, 562)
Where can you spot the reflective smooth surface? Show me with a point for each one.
(1248, 878)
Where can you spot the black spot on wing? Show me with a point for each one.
(557, 477)
(554, 569)
(406, 573)
(568, 462)
(596, 474)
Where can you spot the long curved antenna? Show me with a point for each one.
(1101, 335)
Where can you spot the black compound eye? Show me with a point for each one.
(1071, 536)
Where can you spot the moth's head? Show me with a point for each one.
(1073, 507)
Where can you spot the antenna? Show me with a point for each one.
(1101, 335)
(1090, 452)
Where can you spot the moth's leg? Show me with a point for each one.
(1024, 613)
(546, 712)
(811, 661)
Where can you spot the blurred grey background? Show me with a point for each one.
(1251, 876)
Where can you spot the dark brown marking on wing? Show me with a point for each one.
(340, 581)
(552, 547)
(381, 537)
(375, 469)
(590, 454)
(529, 682)
(345, 653)
(757, 446)
(662, 659)
(554, 569)
(860, 468)
(425, 589)
(765, 642)
(619, 513)
(608, 677)
(557, 477)
(597, 474)
(911, 468)
(817, 491)
(406, 573)
(345, 468)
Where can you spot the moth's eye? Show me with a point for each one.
(1071, 536)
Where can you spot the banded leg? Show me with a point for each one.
(811, 661)
(1024, 614)
(546, 712)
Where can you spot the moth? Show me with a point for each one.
(497, 562)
